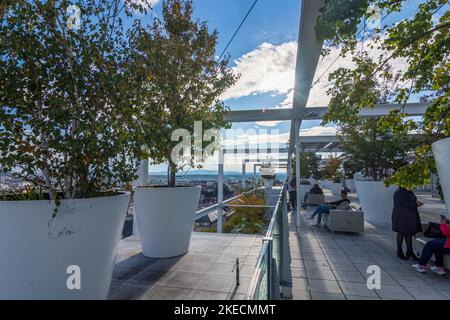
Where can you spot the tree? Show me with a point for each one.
(374, 148)
(421, 40)
(309, 165)
(67, 96)
(247, 220)
(183, 81)
(332, 169)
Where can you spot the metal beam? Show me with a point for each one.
(317, 113)
(308, 54)
(220, 194)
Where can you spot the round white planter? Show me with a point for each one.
(324, 184)
(268, 184)
(165, 218)
(335, 188)
(351, 184)
(304, 188)
(376, 201)
(441, 151)
(39, 253)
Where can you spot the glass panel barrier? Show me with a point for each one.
(265, 282)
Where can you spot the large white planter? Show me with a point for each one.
(376, 201)
(268, 184)
(335, 188)
(165, 219)
(304, 188)
(324, 184)
(441, 151)
(38, 251)
(350, 184)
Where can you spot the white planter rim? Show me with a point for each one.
(167, 187)
(62, 201)
(442, 141)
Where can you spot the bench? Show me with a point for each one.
(315, 199)
(351, 220)
(419, 242)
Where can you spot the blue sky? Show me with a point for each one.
(264, 52)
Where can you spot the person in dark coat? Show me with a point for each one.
(406, 221)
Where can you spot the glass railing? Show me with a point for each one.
(273, 267)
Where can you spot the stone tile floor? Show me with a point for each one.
(333, 266)
(207, 272)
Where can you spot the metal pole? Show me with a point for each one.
(220, 193)
(297, 170)
(285, 254)
(243, 175)
(238, 282)
(269, 270)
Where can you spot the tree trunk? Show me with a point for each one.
(172, 176)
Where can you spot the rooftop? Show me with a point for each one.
(206, 272)
(333, 266)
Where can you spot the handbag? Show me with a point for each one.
(434, 231)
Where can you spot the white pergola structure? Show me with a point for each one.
(308, 55)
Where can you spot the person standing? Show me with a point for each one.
(406, 221)
(292, 189)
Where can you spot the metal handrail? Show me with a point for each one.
(266, 251)
(205, 211)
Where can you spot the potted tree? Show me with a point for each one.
(333, 175)
(350, 168)
(183, 82)
(309, 171)
(380, 152)
(422, 40)
(67, 97)
(441, 151)
(267, 175)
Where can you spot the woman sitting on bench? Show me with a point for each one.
(438, 247)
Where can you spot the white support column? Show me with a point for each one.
(297, 170)
(243, 175)
(145, 167)
(220, 193)
(254, 175)
(142, 172)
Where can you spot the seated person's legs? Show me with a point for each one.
(434, 247)
(323, 209)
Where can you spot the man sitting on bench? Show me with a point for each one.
(325, 208)
(436, 247)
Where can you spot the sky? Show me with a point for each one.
(264, 53)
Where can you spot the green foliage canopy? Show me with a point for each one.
(183, 81)
(67, 96)
(423, 40)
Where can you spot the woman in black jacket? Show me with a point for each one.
(406, 221)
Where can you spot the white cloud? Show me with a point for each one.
(271, 69)
(318, 131)
(318, 95)
(145, 3)
(267, 69)
(285, 104)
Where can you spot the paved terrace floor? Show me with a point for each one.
(333, 266)
(205, 273)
